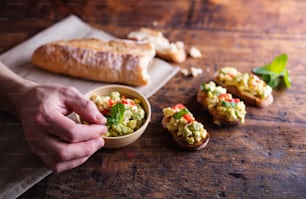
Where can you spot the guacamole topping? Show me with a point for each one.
(183, 122)
(124, 115)
(221, 101)
(249, 83)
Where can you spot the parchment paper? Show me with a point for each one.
(19, 168)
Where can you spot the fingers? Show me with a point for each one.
(64, 152)
(61, 143)
(60, 156)
(65, 128)
(84, 107)
(62, 166)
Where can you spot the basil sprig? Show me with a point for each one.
(273, 73)
(116, 114)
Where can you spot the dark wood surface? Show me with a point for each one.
(264, 158)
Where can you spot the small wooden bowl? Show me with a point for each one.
(125, 140)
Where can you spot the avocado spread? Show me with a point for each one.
(124, 115)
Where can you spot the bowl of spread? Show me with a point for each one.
(128, 113)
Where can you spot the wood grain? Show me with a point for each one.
(264, 158)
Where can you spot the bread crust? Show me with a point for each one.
(181, 142)
(250, 99)
(116, 61)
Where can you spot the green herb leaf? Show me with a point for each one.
(272, 73)
(286, 79)
(181, 113)
(116, 114)
(262, 70)
(274, 81)
(228, 104)
(202, 87)
(278, 65)
(266, 77)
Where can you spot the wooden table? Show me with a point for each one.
(264, 158)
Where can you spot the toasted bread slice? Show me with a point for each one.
(246, 96)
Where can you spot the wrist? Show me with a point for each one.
(11, 94)
(12, 87)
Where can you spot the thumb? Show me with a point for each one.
(86, 108)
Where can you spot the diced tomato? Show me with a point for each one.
(236, 100)
(224, 96)
(178, 106)
(188, 117)
(111, 102)
(231, 75)
(127, 102)
(124, 101)
(105, 112)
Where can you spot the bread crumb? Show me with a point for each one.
(155, 23)
(192, 72)
(196, 71)
(194, 52)
(185, 72)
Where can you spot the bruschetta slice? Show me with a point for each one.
(225, 109)
(185, 130)
(247, 87)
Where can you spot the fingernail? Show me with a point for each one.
(101, 142)
(100, 118)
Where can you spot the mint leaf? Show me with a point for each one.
(274, 81)
(278, 65)
(116, 114)
(272, 73)
(286, 79)
(262, 70)
(266, 77)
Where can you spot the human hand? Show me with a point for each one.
(60, 143)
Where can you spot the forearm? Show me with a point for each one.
(12, 87)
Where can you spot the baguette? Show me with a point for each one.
(186, 131)
(248, 87)
(225, 109)
(116, 61)
(173, 52)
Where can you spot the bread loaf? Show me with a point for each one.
(116, 61)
